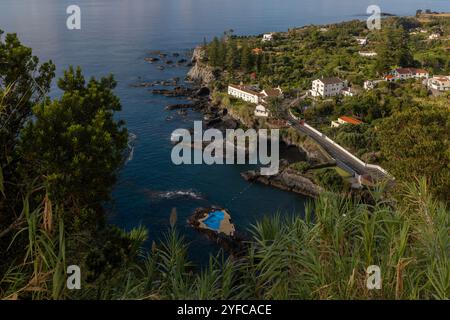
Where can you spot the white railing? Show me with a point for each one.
(292, 115)
(351, 155)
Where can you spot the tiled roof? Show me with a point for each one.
(244, 89)
(257, 51)
(410, 70)
(332, 80)
(350, 120)
(272, 92)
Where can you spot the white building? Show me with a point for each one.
(410, 73)
(252, 94)
(439, 83)
(362, 41)
(267, 37)
(368, 54)
(434, 36)
(349, 92)
(243, 92)
(327, 87)
(371, 84)
(345, 120)
(261, 111)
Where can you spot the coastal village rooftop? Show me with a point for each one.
(250, 94)
(345, 120)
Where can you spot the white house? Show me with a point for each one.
(261, 111)
(368, 54)
(243, 92)
(327, 87)
(345, 120)
(253, 95)
(439, 83)
(362, 41)
(267, 37)
(434, 36)
(371, 84)
(409, 73)
(349, 92)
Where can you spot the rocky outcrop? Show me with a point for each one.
(180, 106)
(200, 73)
(287, 179)
(235, 243)
(175, 92)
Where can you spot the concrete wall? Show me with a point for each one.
(355, 158)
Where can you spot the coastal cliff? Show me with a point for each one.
(200, 72)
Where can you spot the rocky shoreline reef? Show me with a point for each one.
(216, 115)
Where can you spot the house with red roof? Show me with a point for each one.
(345, 120)
(410, 73)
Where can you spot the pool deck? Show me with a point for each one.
(226, 226)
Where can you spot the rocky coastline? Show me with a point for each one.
(287, 179)
(201, 77)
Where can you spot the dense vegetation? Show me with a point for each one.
(324, 256)
(59, 161)
(301, 55)
(406, 110)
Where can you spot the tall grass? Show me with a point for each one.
(323, 256)
(41, 272)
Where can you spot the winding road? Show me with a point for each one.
(343, 159)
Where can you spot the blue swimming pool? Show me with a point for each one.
(214, 220)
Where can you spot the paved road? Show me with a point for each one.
(343, 160)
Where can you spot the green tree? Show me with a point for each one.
(23, 82)
(394, 49)
(75, 146)
(213, 51)
(415, 143)
(246, 57)
(329, 179)
(232, 56)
